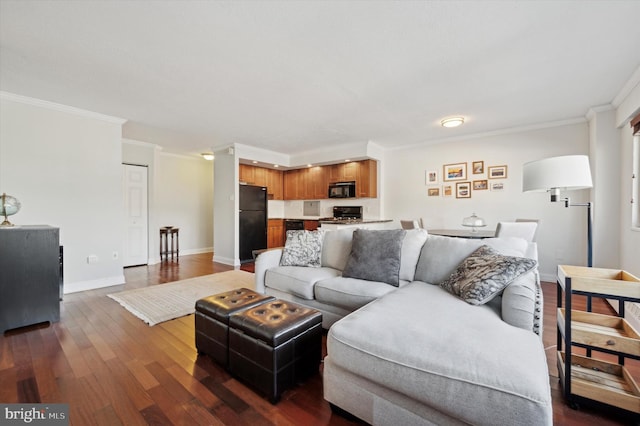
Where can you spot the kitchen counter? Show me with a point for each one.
(328, 225)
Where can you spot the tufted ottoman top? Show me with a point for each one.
(275, 322)
(220, 306)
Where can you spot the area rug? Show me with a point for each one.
(163, 302)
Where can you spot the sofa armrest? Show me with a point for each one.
(522, 303)
(266, 260)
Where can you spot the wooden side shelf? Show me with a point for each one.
(602, 331)
(585, 379)
(601, 381)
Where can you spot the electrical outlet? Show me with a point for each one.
(92, 258)
(115, 255)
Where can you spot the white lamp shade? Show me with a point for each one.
(566, 172)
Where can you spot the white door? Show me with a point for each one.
(136, 234)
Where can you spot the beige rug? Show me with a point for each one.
(164, 302)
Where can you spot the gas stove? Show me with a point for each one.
(345, 214)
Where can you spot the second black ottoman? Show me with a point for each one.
(275, 345)
(212, 320)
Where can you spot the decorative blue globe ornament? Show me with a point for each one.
(9, 206)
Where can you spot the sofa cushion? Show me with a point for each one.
(336, 247)
(302, 248)
(411, 245)
(484, 274)
(440, 256)
(297, 280)
(490, 373)
(349, 293)
(375, 255)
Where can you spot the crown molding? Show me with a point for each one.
(141, 143)
(598, 109)
(499, 132)
(628, 87)
(62, 108)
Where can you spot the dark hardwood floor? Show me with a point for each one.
(113, 369)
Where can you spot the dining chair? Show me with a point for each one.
(411, 224)
(521, 229)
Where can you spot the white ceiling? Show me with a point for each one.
(293, 76)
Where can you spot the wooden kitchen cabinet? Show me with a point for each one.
(275, 233)
(312, 183)
(294, 184)
(274, 184)
(316, 183)
(367, 180)
(311, 225)
(261, 176)
(343, 172)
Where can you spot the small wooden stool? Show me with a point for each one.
(164, 242)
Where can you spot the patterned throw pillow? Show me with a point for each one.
(484, 274)
(302, 248)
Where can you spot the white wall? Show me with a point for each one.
(629, 236)
(606, 194)
(184, 199)
(180, 192)
(225, 199)
(64, 165)
(562, 231)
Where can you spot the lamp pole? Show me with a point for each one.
(567, 203)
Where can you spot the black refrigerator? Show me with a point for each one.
(253, 221)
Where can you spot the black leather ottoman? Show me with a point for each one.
(275, 345)
(212, 320)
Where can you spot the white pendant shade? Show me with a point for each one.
(566, 172)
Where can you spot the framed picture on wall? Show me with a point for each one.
(430, 177)
(447, 190)
(433, 192)
(497, 172)
(497, 186)
(457, 171)
(479, 185)
(463, 190)
(477, 167)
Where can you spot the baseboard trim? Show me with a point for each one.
(93, 284)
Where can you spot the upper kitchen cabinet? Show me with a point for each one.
(316, 183)
(260, 176)
(275, 190)
(294, 183)
(367, 179)
(363, 173)
(312, 183)
(343, 172)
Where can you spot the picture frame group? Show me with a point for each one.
(456, 179)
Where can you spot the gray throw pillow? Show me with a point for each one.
(484, 274)
(302, 248)
(375, 256)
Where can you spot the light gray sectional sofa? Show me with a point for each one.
(415, 353)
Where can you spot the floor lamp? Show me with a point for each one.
(554, 174)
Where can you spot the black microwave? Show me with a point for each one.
(342, 190)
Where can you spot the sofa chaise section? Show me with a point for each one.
(421, 353)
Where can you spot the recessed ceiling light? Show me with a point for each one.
(208, 156)
(309, 165)
(452, 122)
(276, 166)
(255, 161)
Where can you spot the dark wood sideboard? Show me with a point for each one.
(29, 276)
